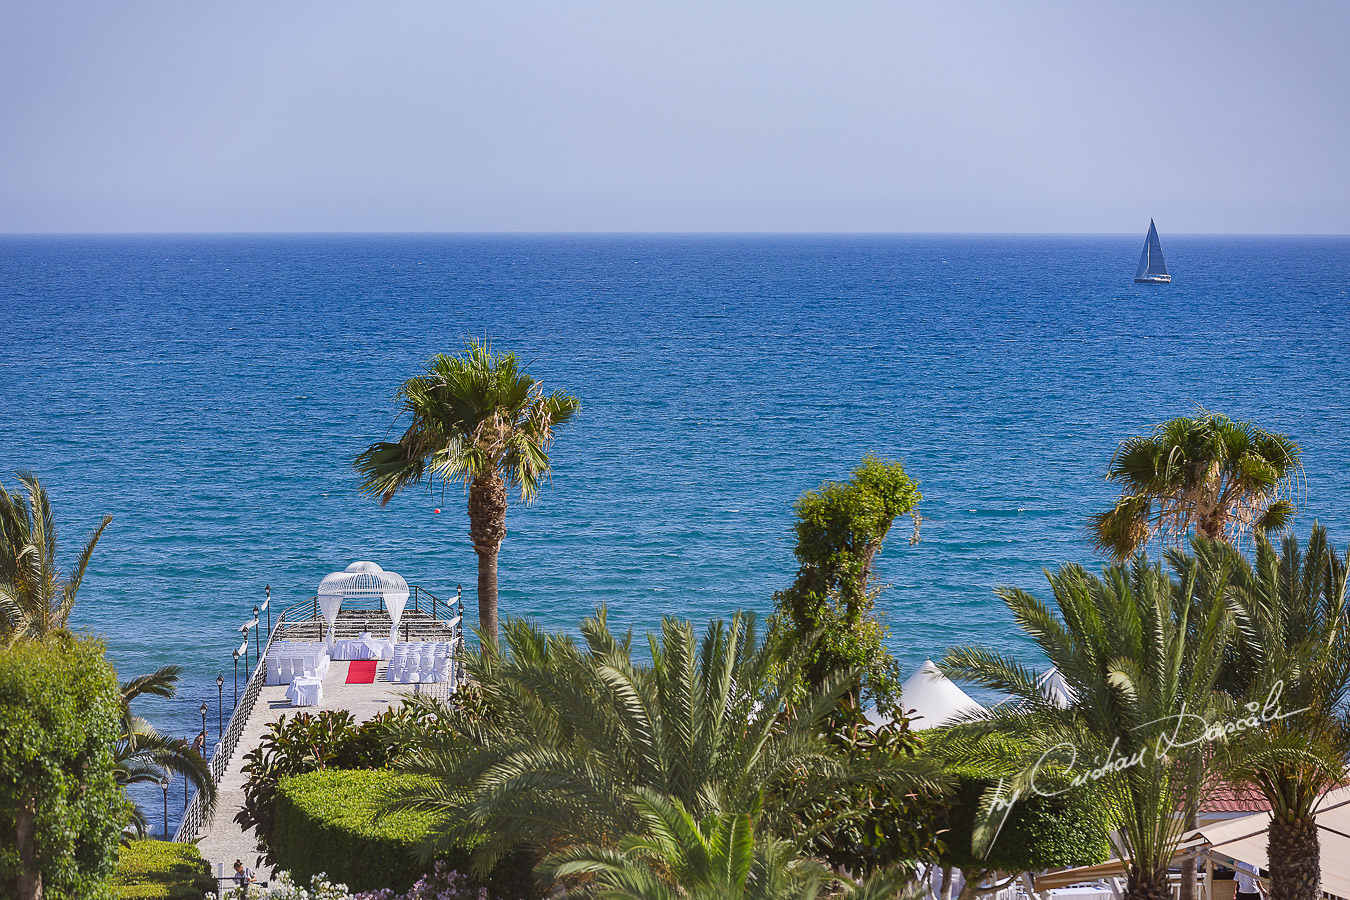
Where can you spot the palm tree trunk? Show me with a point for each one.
(1295, 855)
(1148, 886)
(487, 529)
(30, 875)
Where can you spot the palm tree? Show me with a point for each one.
(478, 420)
(1209, 473)
(144, 755)
(1291, 647)
(35, 598)
(575, 729)
(1141, 661)
(719, 857)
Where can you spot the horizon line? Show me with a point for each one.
(660, 233)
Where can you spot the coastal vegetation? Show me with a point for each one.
(35, 596)
(829, 608)
(477, 420)
(61, 811)
(161, 870)
(1205, 474)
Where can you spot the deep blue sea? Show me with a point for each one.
(210, 392)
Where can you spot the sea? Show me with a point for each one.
(210, 393)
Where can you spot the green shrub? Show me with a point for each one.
(161, 870)
(326, 821)
(1039, 833)
(60, 717)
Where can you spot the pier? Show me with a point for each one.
(427, 618)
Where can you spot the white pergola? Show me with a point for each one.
(363, 580)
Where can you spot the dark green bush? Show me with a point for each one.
(1039, 833)
(161, 870)
(326, 821)
(60, 716)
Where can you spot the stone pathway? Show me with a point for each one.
(223, 841)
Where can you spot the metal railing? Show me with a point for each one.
(292, 619)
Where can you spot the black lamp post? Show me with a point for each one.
(220, 707)
(164, 783)
(236, 680)
(203, 709)
(244, 628)
(268, 604)
(257, 635)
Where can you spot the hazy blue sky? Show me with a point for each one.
(612, 116)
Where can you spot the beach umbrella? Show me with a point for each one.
(933, 699)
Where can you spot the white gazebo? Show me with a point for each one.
(933, 699)
(364, 581)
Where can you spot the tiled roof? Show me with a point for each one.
(1227, 798)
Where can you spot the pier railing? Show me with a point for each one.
(294, 622)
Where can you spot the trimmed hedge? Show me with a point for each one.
(161, 870)
(325, 822)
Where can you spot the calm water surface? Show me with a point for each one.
(210, 392)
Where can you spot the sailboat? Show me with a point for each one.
(1152, 269)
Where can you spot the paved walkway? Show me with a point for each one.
(223, 840)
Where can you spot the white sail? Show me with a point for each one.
(1151, 265)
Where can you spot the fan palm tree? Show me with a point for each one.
(1292, 650)
(35, 597)
(578, 728)
(1207, 473)
(144, 755)
(1141, 661)
(719, 857)
(481, 421)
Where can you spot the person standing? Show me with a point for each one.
(1248, 882)
(243, 876)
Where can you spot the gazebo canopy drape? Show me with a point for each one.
(363, 580)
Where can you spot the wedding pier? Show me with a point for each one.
(317, 656)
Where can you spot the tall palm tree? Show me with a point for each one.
(35, 597)
(1291, 646)
(1141, 662)
(1207, 473)
(481, 421)
(577, 728)
(144, 755)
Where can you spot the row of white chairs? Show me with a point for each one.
(288, 660)
(425, 662)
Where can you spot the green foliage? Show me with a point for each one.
(329, 822)
(145, 755)
(59, 713)
(840, 529)
(161, 870)
(876, 825)
(309, 742)
(577, 727)
(1206, 472)
(1039, 832)
(35, 598)
(1140, 653)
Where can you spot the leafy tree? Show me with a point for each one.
(580, 727)
(840, 529)
(61, 812)
(35, 598)
(1141, 662)
(1207, 473)
(1292, 647)
(145, 755)
(478, 420)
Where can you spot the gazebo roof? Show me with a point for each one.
(363, 579)
(934, 698)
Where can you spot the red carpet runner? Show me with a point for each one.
(361, 671)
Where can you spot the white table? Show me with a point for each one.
(364, 647)
(305, 691)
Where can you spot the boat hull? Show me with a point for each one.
(1154, 279)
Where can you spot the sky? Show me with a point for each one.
(738, 115)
